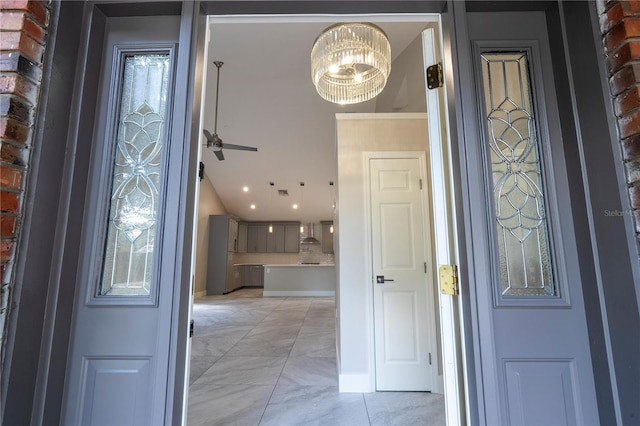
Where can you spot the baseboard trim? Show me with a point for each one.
(360, 383)
(198, 294)
(323, 293)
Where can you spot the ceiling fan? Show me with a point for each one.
(213, 141)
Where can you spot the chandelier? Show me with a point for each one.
(350, 62)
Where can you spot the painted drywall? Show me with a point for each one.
(356, 134)
(209, 203)
(405, 87)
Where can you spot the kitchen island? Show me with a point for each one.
(300, 280)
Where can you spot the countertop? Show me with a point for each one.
(247, 264)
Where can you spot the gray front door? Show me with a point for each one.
(119, 365)
(535, 365)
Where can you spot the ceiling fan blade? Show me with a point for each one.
(208, 135)
(219, 155)
(240, 147)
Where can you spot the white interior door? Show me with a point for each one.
(403, 350)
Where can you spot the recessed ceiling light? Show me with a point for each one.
(245, 188)
(253, 206)
(295, 206)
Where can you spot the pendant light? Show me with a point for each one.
(350, 62)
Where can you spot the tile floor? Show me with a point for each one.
(272, 361)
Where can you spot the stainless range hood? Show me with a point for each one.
(310, 239)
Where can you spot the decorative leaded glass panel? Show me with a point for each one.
(519, 200)
(137, 176)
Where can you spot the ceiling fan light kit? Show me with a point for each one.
(214, 141)
(350, 62)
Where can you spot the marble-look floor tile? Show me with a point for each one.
(216, 342)
(315, 330)
(211, 404)
(405, 408)
(316, 345)
(285, 318)
(314, 405)
(306, 370)
(198, 366)
(262, 347)
(244, 371)
(269, 332)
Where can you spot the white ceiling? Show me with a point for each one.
(267, 100)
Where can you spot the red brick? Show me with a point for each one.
(636, 219)
(611, 18)
(4, 276)
(8, 225)
(627, 101)
(629, 51)
(22, 42)
(9, 202)
(629, 124)
(626, 77)
(634, 194)
(631, 147)
(633, 171)
(617, 12)
(630, 7)
(12, 154)
(6, 250)
(11, 177)
(12, 129)
(19, 86)
(11, 21)
(36, 8)
(21, 21)
(628, 28)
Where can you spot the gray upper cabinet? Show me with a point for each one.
(284, 237)
(257, 238)
(292, 238)
(275, 238)
(327, 237)
(242, 237)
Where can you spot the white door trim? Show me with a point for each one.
(421, 156)
(454, 399)
(445, 235)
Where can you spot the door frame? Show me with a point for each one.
(437, 381)
(49, 242)
(457, 407)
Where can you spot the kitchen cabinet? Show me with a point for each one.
(292, 238)
(327, 236)
(275, 239)
(284, 238)
(242, 237)
(257, 238)
(233, 235)
(221, 277)
(254, 276)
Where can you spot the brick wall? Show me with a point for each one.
(23, 27)
(620, 26)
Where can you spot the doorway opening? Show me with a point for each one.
(267, 100)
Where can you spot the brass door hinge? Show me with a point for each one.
(449, 279)
(435, 77)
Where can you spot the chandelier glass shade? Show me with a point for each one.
(350, 62)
